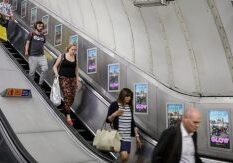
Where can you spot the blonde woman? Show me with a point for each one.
(68, 77)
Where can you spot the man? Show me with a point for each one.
(179, 144)
(5, 9)
(34, 48)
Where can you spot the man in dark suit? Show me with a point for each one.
(178, 144)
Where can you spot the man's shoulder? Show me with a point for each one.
(172, 130)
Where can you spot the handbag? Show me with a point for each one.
(107, 140)
(55, 94)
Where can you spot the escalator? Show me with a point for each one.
(11, 150)
(89, 113)
(44, 89)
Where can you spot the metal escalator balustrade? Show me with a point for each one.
(80, 128)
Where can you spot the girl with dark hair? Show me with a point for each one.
(68, 77)
(120, 113)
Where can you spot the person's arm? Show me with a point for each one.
(113, 112)
(77, 73)
(161, 147)
(26, 49)
(55, 66)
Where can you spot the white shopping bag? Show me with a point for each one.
(55, 94)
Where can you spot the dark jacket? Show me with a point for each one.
(168, 149)
(114, 107)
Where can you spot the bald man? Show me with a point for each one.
(178, 144)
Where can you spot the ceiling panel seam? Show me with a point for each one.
(188, 42)
(151, 63)
(96, 21)
(133, 59)
(113, 30)
(167, 53)
(222, 35)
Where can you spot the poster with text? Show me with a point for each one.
(141, 98)
(23, 8)
(14, 5)
(175, 112)
(114, 77)
(33, 15)
(73, 39)
(91, 60)
(58, 35)
(219, 129)
(45, 20)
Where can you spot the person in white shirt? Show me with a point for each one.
(5, 10)
(178, 144)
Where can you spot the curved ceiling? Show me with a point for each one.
(186, 45)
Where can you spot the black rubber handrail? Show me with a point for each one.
(24, 153)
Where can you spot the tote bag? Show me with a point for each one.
(55, 94)
(107, 140)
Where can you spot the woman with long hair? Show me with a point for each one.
(68, 77)
(120, 113)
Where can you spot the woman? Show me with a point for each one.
(120, 113)
(68, 77)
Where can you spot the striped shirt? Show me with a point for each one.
(125, 123)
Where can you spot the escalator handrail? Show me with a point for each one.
(24, 153)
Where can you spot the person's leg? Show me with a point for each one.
(44, 68)
(32, 66)
(68, 87)
(125, 151)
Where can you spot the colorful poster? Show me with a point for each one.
(33, 15)
(141, 98)
(73, 39)
(14, 5)
(219, 129)
(45, 20)
(58, 35)
(23, 8)
(91, 60)
(175, 112)
(114, 77)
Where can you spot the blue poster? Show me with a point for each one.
(219, 128)
(141, 98)
(91, 60)
(73, 39)
(114, 77)
(175, 112)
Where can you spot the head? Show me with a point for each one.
(5, 1)
(125, 97)
(191, 119)
(39, 26)
(72, 49)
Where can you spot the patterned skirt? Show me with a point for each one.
(68, 87)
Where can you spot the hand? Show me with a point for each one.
(119, 112)
(79, 84)
(138, 142)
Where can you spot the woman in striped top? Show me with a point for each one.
(120, 113)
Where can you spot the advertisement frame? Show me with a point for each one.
(33, 13)
(135, 97)
(230, 130)
(88, 50)
(58, 26)
(23, 6)
(45, 20)
(174, 103)
(119, 78)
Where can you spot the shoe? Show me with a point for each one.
(70, 122)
